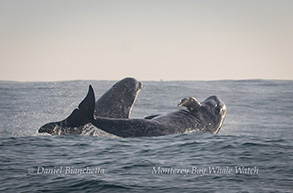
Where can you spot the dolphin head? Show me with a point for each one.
(128, 85)
(60, 128)
(213, 111)
(49, 128)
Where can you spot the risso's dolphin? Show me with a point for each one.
(117, 102)
(207, 116)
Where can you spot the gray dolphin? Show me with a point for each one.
(207, 117)
(117, 102)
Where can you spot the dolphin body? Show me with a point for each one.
(208, 117)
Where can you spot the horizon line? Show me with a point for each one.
(160, 80)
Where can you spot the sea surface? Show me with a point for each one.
(253, 151)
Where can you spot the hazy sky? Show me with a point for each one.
(48, 40)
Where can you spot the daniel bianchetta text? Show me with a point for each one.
(65, 170)
(205, 171)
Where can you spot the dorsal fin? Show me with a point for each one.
(191, 103)
(84, 114)
(78, 117)
(87, 106)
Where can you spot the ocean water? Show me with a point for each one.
(253, 151)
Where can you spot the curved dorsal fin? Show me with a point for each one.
(84, 113)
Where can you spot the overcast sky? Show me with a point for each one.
(49, 40)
